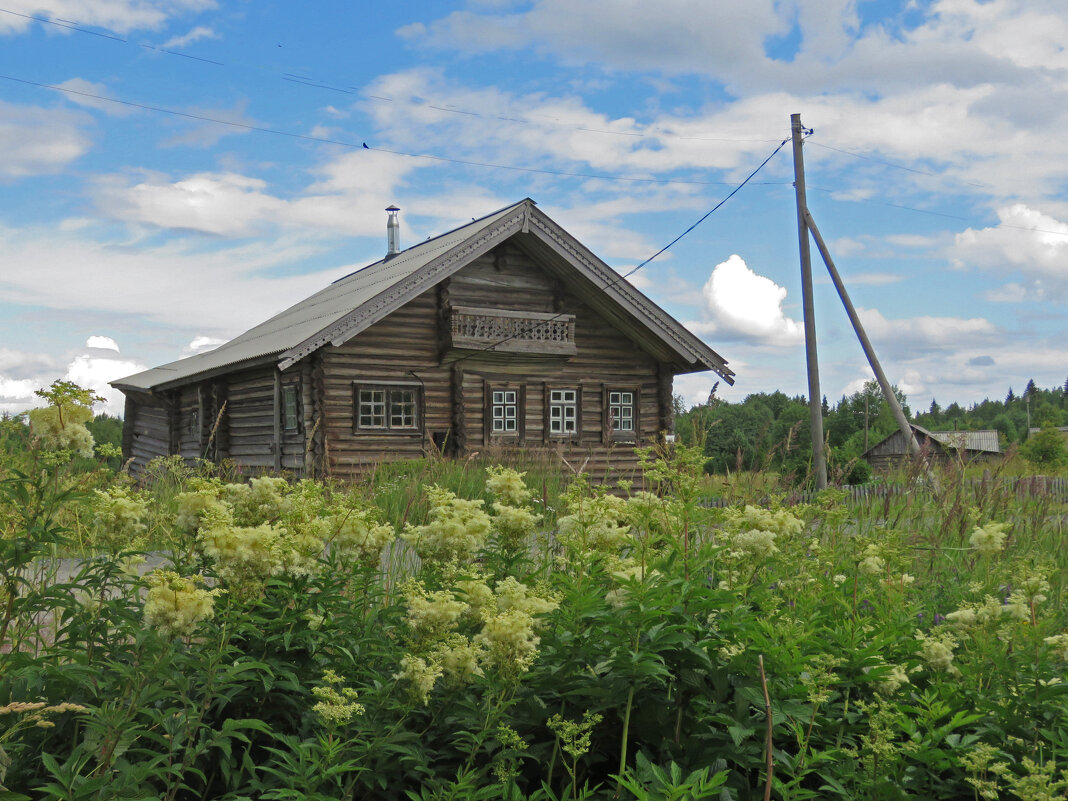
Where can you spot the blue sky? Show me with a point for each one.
(174, 172)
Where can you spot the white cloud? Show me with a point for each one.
(37, 141)
(177, 284)
(924, 334)
(202, 344)
(86, 369)
(22, 363)
(1028, 242)
(102, 343)
(195, 35)
(89, 94)
(120, 16)
(224, 204)
(93, 372)
(740, 304)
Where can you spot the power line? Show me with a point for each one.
(620, 278)
(365, 146)
(315, 83)
(886, 163)
(970, 220)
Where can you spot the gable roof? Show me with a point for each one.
(985, 441)
(351, 304)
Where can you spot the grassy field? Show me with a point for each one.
(460, 631)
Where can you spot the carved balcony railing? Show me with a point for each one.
(503, 331)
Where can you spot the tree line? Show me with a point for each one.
(771, 431)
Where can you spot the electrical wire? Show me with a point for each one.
(315, 83)
(620, 278)
(365, 146)
(885, 163)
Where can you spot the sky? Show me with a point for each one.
(175, 172)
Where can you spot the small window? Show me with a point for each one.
(504, 411)
(384, 407)
(194, 423)
(563, 412)
(621, 411)
(290, 417)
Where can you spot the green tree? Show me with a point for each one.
(1046, 449)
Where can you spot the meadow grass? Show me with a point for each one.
(448, 630)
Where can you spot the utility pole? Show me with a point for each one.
(815, 413)
(865, 343)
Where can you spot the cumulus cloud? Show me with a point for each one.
(224, 204)
(37, 141)
(88, 369)
(924, 334)
(1029, 243)
(102, 343)
(740, 304)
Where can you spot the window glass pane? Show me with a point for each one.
(621, 410)
(289, 408)
(372, 413)
(402, 408)
(504, 411)
(563, 411)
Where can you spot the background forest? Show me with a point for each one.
(771, 431)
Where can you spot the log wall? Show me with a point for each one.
(409, 347)
(146, 432)
(401, 349)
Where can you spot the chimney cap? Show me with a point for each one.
(392, 208)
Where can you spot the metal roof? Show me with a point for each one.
(290, 328)
(350, 304)
(970, 440)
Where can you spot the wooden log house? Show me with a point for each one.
(504, 333)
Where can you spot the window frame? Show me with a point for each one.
(562, 435)
(519, 434)
(388, 428)
(290, 391)
(611, 432)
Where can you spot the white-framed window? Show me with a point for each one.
(504, 411)
(621, 410)
(290, 413)
(386, 407)
(563, 412)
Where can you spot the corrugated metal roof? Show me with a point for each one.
(305, 319)
(969, 440)
(350, 304)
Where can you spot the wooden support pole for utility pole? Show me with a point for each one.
(869, 351)
(815, 399)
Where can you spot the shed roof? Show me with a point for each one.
(986, 440)
(349, 305)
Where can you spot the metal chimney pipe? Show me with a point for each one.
(392, 233)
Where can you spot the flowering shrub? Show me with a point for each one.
(293, 648)
(175, 605)
(457, 528)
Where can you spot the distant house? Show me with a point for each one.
(504, 333)
(944, 446)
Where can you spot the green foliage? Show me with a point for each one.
(1046, 449)
(632, 644)
(771, 433)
